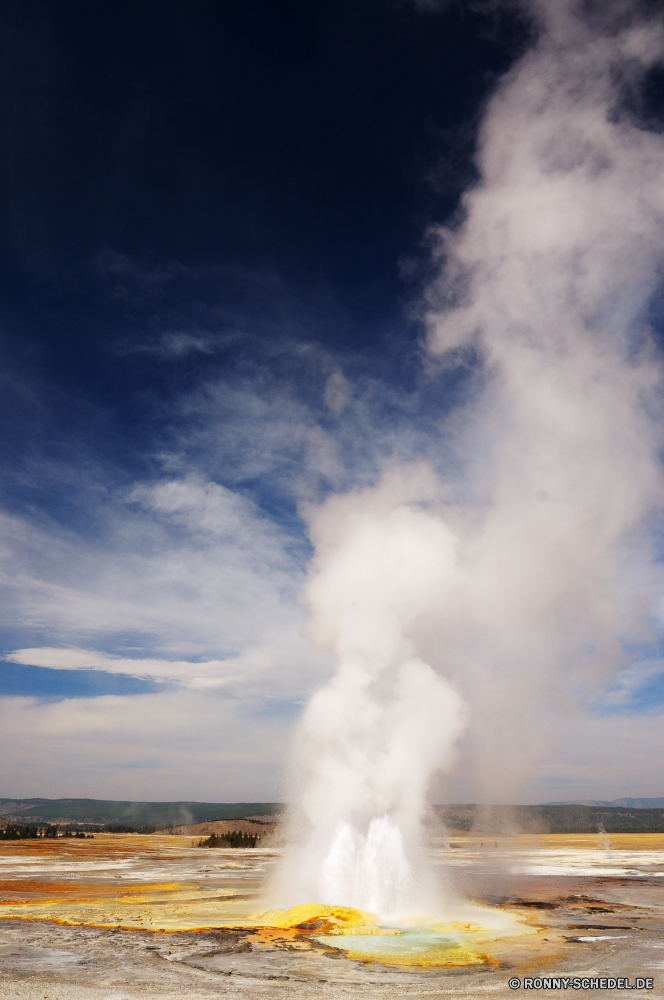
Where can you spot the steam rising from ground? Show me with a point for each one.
(528, 574)
(371, 738)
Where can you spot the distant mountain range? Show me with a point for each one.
(137, 814)
(625, 803)
(554, 817)
(621, 816)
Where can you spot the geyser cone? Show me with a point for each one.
(370, 740)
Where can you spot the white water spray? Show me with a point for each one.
(370, 740)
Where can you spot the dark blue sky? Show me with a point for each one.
(254, 171)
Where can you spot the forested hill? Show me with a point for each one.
(628, 803)
(135, 814)
(558, 818)
(569, 818)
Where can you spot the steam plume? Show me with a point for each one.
(528, 574)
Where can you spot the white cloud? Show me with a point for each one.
(178, 344)
(338, 392)
(280, 668)
(171, 745)
(206, 673)
(187, 566)
(190, 584)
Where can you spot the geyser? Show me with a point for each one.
(522, 578)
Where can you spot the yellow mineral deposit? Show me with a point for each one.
(130, 881)
(418, 942)
(167, 884)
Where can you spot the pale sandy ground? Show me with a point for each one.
(595, 912)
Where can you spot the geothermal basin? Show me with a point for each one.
(128, 916)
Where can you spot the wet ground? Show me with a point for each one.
(126, 916)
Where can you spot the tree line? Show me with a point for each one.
(234, 839)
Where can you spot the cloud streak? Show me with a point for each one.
(191, 584)
(171, 744)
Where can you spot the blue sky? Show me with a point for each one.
(214, 241)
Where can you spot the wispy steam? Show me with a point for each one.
(371, 738)
(547, 282)
(531, 572)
